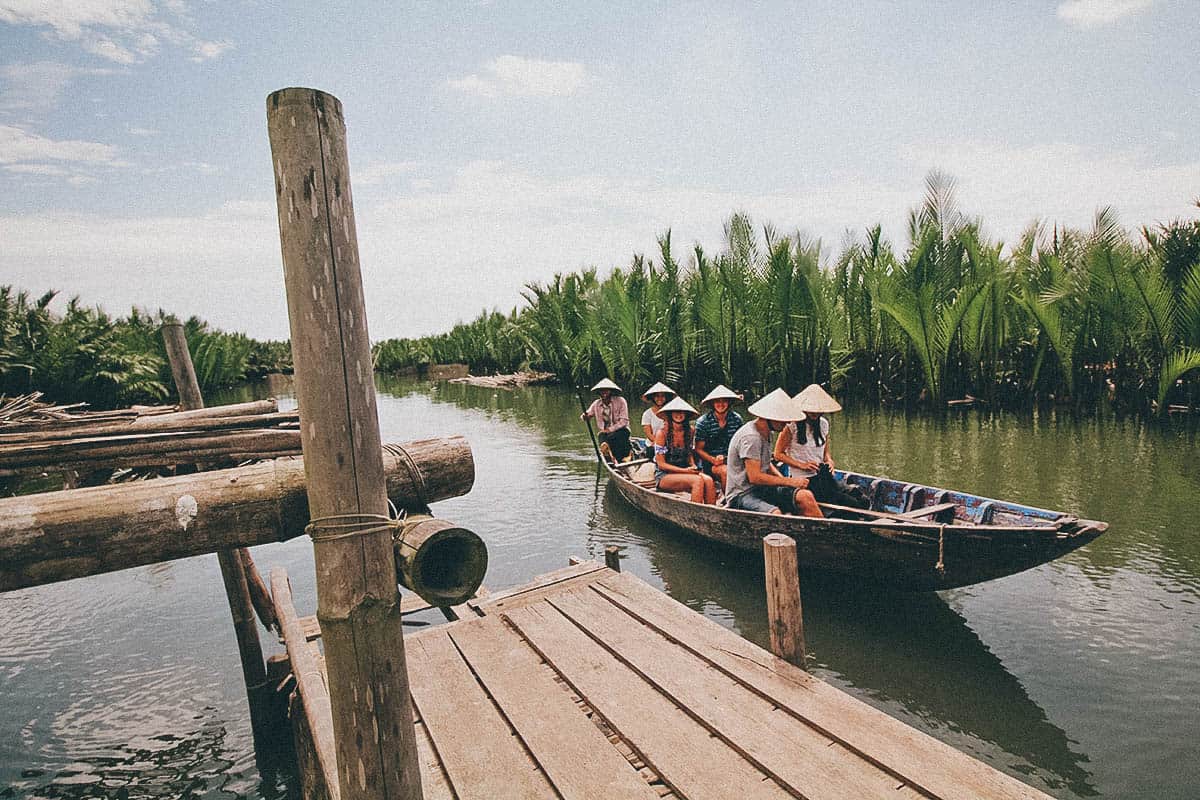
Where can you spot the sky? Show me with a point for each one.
(496, 143)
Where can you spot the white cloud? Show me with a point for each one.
(135, 130)
(206, 51)
(524, 77)
(17, 146)
(37, 87)
(1097, 13)
(122, 31)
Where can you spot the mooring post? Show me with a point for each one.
(783, 598)
(358, 600)
(230, 560)
(612, 557)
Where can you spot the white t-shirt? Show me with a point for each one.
(655, 422)
(807, 451)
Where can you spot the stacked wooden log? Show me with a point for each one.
(220, 435)
(27, 410)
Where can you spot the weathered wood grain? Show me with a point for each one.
(358, 601)
(696, 765)
(785, 616)
(919, 760)
(56, 536)
(794, 754)
(483, 759)
(574, 754)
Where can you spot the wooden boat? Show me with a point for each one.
(913, 538)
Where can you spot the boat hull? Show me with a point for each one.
(902, 555)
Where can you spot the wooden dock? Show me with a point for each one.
(588, 683)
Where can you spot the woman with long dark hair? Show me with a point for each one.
(675, 466)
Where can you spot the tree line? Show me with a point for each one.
(83, 354)
(1062, 315)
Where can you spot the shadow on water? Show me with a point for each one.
(951, 679)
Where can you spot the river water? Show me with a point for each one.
(1079, 677)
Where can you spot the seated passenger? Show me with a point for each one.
(675, 468)
(752, 481)
(657, 395)
(804, 447)
(611, 413)
(714, 430)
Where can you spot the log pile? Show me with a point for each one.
(220, 435)
(56, 536)
(28, 410)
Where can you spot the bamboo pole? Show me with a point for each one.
(56, 536)
(358, 602)
(784, 612)
(231, 560)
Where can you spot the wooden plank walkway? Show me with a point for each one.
(587, 683)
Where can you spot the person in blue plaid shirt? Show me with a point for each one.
(715, 429)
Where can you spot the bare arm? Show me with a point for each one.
(703, 453)
(770, 477)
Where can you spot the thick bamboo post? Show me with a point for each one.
(358, 602)
(237, 590)
(783, 598)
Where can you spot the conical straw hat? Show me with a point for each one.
(816, 400)
(658, 388)
(678, 404)
(722, 392)
(605, 383)
(778, 406)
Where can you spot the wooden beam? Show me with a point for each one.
(358, 601)
(56, 536)
(310, 684)
(178, 422)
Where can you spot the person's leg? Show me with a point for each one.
(678, 482)
(618, 440)
(806, 504)
(710, 489)
(718, 473)
(751, 501)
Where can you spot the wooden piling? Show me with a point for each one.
(784, 612)
(231, 560)
(358, 602)
(612, 557)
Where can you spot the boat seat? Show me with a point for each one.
(928, 511)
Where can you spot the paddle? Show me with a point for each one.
(588, 420)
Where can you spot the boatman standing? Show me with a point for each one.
(752, 483)
(611, 413)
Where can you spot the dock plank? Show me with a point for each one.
(924, 762)
(576, 574)
(473, 741)
(574, 754)
(782, 746)
(693, 763)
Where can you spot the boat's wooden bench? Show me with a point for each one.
(916, 515)
(587, 683)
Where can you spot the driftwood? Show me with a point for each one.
(69, 534)
(511, 381)
(138, 414)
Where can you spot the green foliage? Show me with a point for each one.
(1070, 315)
(84, 355)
